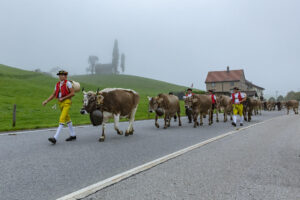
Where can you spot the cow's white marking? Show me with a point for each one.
(119, 177)
(116, 121)
(131, 120)
(113, 89)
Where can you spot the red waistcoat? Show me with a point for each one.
(63, 89)
(239, 96)
(213, 99)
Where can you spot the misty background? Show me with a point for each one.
(171, 40)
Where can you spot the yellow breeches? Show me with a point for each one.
(65, 106)
(238, 109)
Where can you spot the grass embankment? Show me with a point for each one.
(29, 89)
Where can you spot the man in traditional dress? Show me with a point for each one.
(63, 91)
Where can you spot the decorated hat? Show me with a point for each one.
(189, 89)
(236, 88)
(210, 90)
(62, 72)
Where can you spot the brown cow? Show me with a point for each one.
(225, 104)
(113, 103)
(201, 105)
(292, 104)
(167, 105)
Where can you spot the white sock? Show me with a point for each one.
(58, 131)
(234, 118)
(71, 129)
(241, 119)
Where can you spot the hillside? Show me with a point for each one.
(28, 89)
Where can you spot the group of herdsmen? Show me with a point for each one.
(237, 100)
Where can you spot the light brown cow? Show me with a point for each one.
(201, 105)
(292, 104)
(225, 104)
(167, 105)
(113, 103)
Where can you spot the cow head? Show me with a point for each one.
(188, 103)
(90, 100)
(155, 104)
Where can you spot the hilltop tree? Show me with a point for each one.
(280, 98)
(115, 57)
(272, 99)
(123, 62)
(92, 60)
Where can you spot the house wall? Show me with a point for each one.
(225, 86)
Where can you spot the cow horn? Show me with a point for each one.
(98, 91)
(82, 89)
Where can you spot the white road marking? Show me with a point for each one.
(38, 130)
(84, 192)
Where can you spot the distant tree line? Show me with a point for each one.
(290, 96)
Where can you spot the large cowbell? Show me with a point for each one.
(96, 117)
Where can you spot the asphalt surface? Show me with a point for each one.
(262, 162)
(32, 168)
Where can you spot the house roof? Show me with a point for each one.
(253, 85)
(224, 76)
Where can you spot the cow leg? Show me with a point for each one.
(102, 138)
(165, 119)
(179, 120)
(195, 120)
(116, 124)
(225, 116)
(288, 110)
(130, 130)
(156, 123)
(217, 115)
(169, 120)
(249, 115)
(211, 113)
(201, 119)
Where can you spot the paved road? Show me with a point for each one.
(262, 162)
(31, 168)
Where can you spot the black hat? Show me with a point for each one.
(189, 89)
(210, 90)
(62, 72)
(236, 88)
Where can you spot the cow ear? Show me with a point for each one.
(100, 99)
(149, 98)
(84, 92)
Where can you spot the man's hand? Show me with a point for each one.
(45, 102)
(61, 99)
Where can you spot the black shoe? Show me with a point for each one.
(241, 124)
(233, 124)
(52, 140)
(71, 138)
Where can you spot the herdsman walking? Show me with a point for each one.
(237, 99)
(63, 91)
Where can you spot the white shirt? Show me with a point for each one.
(236, 97)
(69, 85)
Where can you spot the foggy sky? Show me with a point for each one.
(177, 41)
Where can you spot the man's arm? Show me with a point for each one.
(70, 95)
(244, 99)
(49, 99)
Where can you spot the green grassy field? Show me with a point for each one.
(29, 89)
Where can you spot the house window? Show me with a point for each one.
(231, 83)
(213, 84)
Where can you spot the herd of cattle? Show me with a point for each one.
(116, 103)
